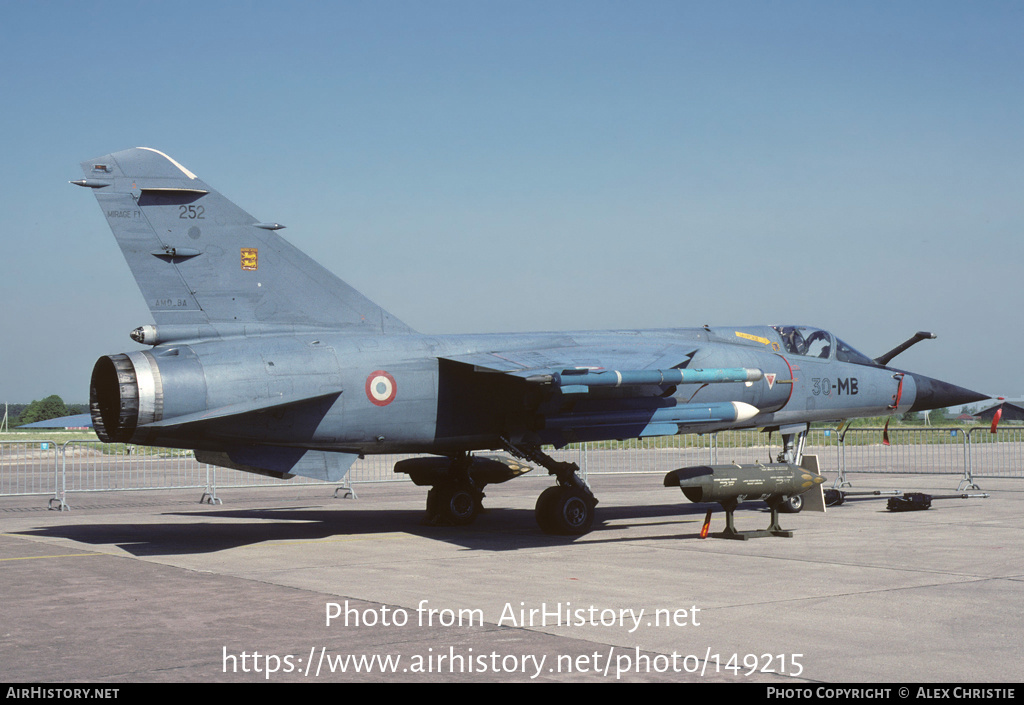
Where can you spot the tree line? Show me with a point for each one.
(52, 407)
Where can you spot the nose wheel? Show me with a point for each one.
(794, 439)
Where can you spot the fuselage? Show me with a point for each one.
(411, 393)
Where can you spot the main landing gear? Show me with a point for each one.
(567, 508)
(455, 505)
(457, 501)
(457, 483)
(566, 511)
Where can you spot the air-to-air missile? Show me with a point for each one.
(731, 484)
(679, 414)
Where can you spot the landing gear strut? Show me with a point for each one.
(793, 440)
(567, 508)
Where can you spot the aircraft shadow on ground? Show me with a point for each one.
(498, 529)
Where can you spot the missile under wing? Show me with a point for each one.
(262, 360)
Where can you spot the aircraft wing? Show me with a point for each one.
(240, 412)
(596, 391)
(282, 463)
(247, 422)
(540, 361)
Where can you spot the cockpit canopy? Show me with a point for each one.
(814, 342)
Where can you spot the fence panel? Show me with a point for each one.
(94, 466)
(667, 453)
(642, 455)
(999, 454)
(910, 451)
(29, 467)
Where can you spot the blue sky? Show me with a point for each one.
(512, 166)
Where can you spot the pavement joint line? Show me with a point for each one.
(60, 555)
(371, 537)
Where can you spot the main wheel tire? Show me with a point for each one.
(565, 511)
(543, 510)
(454, 505)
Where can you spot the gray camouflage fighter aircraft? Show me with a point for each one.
(263, 361)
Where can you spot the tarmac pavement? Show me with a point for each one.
(292, 585)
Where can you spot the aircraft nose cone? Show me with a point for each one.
(936, 394)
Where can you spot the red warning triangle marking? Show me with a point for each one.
(771, 379)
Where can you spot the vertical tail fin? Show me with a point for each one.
(202, 263)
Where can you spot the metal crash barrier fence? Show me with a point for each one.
(45, 467)
(999, 454)
(970, 453)
(29, 467)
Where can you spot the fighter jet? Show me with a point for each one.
(261, 360)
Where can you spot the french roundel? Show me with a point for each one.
(380, 388)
